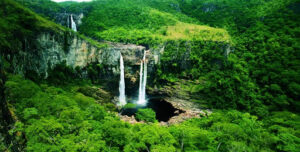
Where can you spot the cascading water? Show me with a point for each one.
(145, 78)
(73, 24)
(122, 98)
(143, 82)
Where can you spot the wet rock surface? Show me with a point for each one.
(190, 110)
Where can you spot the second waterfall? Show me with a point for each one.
(143, 82)
(73, 24)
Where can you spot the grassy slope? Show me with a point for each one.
(17, 21)
(267, 50)
(143, 23)
(134, 21)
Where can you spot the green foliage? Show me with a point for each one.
(130, 106)
(19, 28)
(2, 143)
(147, 115)
(52, 116)
(30, 113)
(18, 85)
(18, 23)
(151, 137)
(53, 119)
(285, 126)
(61, 73)
(238, 80)
(147, 23)
(254, 70)
(45, 7)
(228, 131)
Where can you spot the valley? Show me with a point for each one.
(150, 76)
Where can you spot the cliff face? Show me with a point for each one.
(46, 49)
(49, 49)
(52, 44)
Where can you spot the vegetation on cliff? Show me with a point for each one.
(241, 55)
(19, 25)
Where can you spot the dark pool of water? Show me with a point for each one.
(164, 110)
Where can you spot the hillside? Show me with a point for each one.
(18, 22)
(150, 75)
(141, 23)
(149, 22)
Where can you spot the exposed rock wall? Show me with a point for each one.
(49, 49)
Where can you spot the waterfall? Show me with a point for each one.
(143, 82)
(73, 24)
(145, 78)
(122, 98)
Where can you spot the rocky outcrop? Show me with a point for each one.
(49, 49)
(131, 119)
(190, 110)
(100, 95)
(180, 96)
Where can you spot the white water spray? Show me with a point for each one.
(73, 24)
(143, 82)
(122, 98)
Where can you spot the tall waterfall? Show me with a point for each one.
(122, 98)
(73, 24)
(143, 82)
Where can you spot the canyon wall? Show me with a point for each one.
(48, 49)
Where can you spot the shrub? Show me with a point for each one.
(61, 73)
(147, 115)
(129, 106)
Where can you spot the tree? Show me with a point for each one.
(147, 115)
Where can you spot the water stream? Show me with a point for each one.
(143, 82)
(122, 97)
(73, 24)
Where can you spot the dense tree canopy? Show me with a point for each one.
(241, 57)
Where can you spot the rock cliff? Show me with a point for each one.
(49, 49)
(46, 49)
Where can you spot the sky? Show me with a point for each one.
(72, 0)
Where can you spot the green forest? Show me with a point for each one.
(237, 62)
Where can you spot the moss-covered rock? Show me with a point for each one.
(99, 94)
